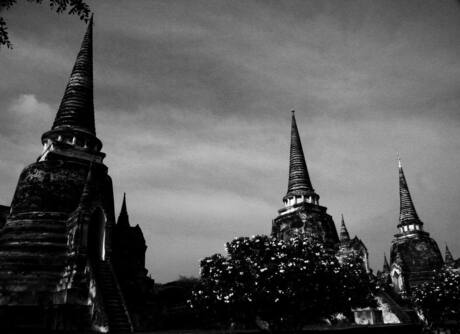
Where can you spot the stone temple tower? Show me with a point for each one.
(55, 247)
(301, 213)
(353, 247)
(414, 255)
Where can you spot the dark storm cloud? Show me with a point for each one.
(193, 99)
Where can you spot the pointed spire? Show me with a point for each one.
(407, 213)
(85, 198)
(77, 108)
(299, 180)
(123, 218)
(386, 266)
(83, 210)
(344, 235)
(449, 259)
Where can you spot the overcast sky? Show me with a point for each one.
(193, 103)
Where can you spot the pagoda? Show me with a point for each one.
(56, 268)
(352, 247)
(301, 212)
(414, 254)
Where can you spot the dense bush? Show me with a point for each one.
(283, 284)
(439, 299)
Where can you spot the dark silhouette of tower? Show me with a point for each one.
(129, 249)
(56, 245)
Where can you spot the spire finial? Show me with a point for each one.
(399, 160)
(448, 259)
(85, 199)
(344, 235)
(407, 213)
(386, 266)
(76, 110)
(299, 180)
(123, 205)
(123, 219)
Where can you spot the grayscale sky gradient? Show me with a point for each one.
(193, 103)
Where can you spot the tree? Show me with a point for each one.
(439, 299)
(73, 7)
(286, 284)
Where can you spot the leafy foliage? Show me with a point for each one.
(73, 7)
(287, 284)
(439, 299)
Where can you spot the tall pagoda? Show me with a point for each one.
(301, 213)
(414, 254)
(55, 248)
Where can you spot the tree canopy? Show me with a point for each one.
(72, 7)
(439, 299)
(285, 284)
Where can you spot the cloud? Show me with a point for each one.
(25, 115)
(192, 104)
(22, 121)
(27, 106)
